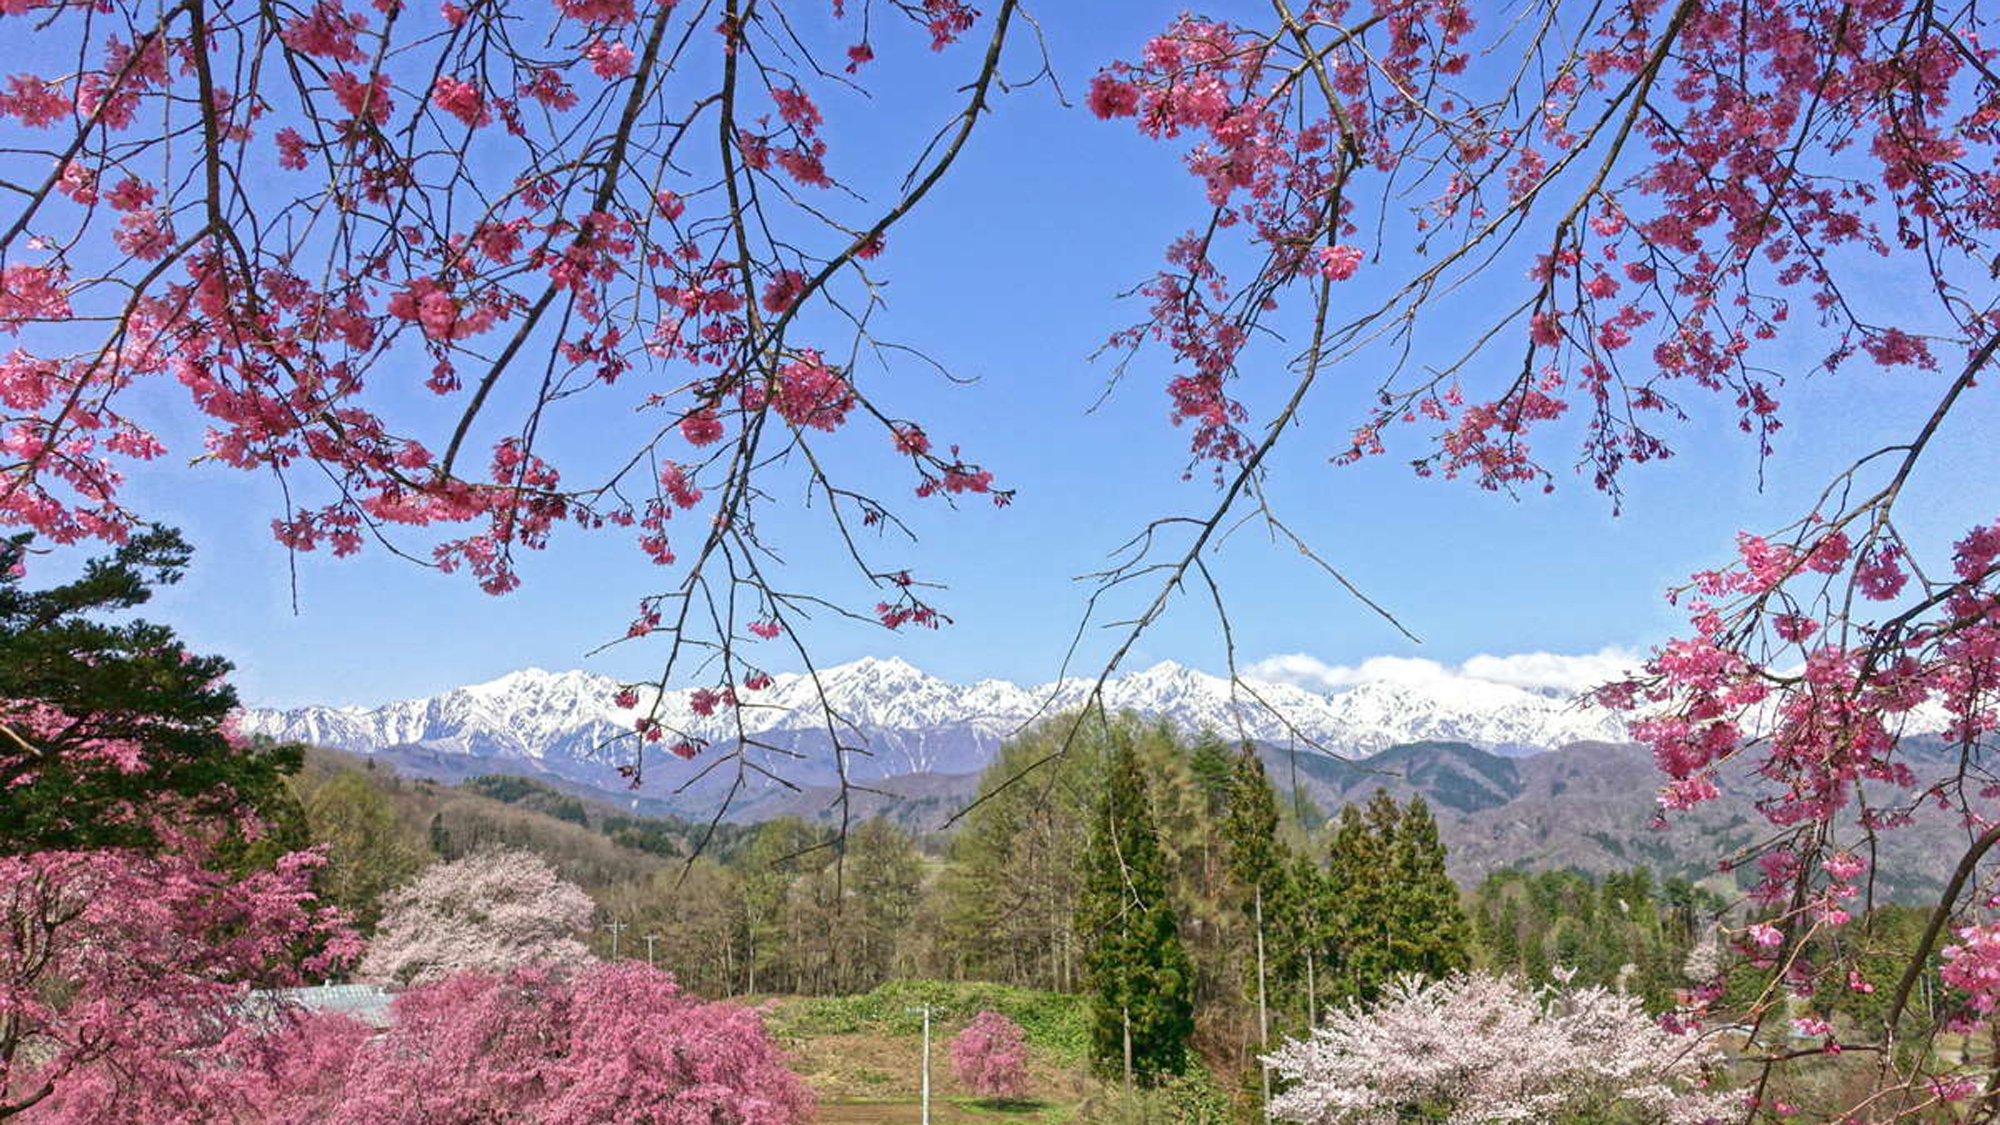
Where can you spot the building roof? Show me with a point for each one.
(365, 1002)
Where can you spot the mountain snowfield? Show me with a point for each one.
(565, 723)
(1586, 803)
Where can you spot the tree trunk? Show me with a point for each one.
(1312, 993)
(1059, 939)
(1263, 1013)
(1126, 1013)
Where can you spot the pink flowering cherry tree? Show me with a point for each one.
(1476, 1048)
(123, 974)
(540, 216)
(990, 1056)
(294, 1070)
(490, 912)
(609, 1043)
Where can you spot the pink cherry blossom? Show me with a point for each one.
(990, 1056)
(610, 60)
(460, 99)
(1338, 263)
(120, 972)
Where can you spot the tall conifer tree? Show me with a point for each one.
(1308, 924)
(1356, 860)
(1507, 939)
(1210, 764)
(1429, 932)
(1139, 977)
(1393, 909)
(1257, 864)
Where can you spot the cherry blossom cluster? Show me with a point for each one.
(122, 973)
(1816, 666)
(1973, 967)
(1696, 188)
(505, 208)
(39, 727)
(531, 1045)
(488, 912)
(990, 1056)
(1829, 696)
(528, 1045)
(1480, 1048)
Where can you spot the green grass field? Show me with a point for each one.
(862, 1054)
(944, 1111)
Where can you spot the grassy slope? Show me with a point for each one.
(861, 1053)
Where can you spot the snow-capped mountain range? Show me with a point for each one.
(568, 724)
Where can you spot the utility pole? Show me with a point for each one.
(926, 1080)
(650, 939)
(616, 928)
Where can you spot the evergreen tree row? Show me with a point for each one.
(1625, 930)
(1164, 877)
(1318, 931)
(1335, 928)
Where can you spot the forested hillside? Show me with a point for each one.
(380, 827)
(790, 907)
(1592, 807)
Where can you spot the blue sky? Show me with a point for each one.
(1008, 274)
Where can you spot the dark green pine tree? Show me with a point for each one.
(77, 683)
(1535, 956)
(440, 837)
(1429, 932)
(1257, 865)
(1357, 861)
(1307, 925)
(1209, 762)
(1140, 980)
(1507, 939)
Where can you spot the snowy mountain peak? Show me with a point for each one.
(877, 666)
(566, 723)
(1167, 672)
(539, 680)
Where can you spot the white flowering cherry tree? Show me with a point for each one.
(1477, 1049)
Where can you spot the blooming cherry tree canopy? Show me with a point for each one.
(610, 1043)
(490, 911)
(123, 974)
(991, 1057)
(1478, 1049)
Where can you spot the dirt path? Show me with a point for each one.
(871, 1111)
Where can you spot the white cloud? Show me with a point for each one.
(1553, 670)
(1310, 671)
(1522, 670)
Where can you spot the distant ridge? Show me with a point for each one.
(1517, 778)
(564, 724)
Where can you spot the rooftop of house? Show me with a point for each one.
(365, 1002)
